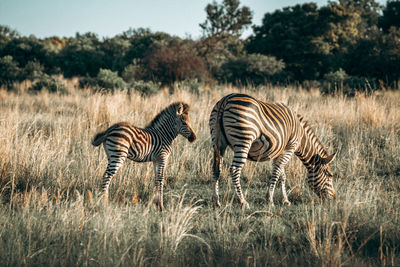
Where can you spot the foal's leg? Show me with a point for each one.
(116, 158)
(159, 171)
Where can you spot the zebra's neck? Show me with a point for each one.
(309, 145)
(165, 129)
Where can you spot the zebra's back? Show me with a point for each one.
(243, 121)
(125, 139)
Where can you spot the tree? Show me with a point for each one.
(9, 71)
(140, 41)
(311, 41)
(226, 19)
(221, 31)
(81, 56)
(115, 50)
(376, 56)
(173, 62)
(253, 68)
(369, 10)
(391, 16)
(25, 49)
(6, 34)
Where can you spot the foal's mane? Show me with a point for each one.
(171, 109)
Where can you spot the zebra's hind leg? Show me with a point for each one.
(114, 163)
(239, 159)
(218, 154)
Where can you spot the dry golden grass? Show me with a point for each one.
(50, 177)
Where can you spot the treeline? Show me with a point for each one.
(354, 44)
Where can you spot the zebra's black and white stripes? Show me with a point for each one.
(261, 131)
(153, 143)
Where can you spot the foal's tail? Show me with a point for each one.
(99, 138)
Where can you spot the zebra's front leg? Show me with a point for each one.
(284, 194)
(279, 172)
(159, 170)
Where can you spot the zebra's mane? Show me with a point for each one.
(168, 111)
(309, 131)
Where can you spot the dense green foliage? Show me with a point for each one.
(300, 43)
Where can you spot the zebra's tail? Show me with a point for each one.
(99, 138)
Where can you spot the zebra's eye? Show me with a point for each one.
(183, 121)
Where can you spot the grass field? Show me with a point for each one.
(50, 177)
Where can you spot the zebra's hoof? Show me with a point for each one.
(216, 204)
(245, 205)
(104, 199)
(286, 203)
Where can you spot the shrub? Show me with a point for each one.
(32, 70)
(49, 82)
(252, 68)
(174, 62)
(88, 82)
(338, 76)
(339, 81)
(108, 79)
(9, 71)
(192, 85)
(146, 88)
(134, 72)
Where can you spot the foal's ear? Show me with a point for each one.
(328, 159)
(179, 109)
(182, 108)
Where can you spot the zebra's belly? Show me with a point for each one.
(139, 159)
(139, 156)
(260, 149)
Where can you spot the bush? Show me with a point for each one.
(9, 71)
(145, 88)
(88, 82)
(253, 68)
(108, 79)
(335, 77)
(174, 62)
(32, 70)
(51, 83)
(134, 72)
(339, 81)
(192, 85)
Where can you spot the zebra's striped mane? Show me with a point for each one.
(309, 131)
(168, 111)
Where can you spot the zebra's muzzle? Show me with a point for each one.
(192, 138)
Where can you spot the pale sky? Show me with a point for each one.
(107, 18)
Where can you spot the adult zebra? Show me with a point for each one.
(153, 143)
(261, 131)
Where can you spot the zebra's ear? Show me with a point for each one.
(179, 110)
(182, 108)
(328, 159)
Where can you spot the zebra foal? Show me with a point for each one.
(153, 143)
(259, 131)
